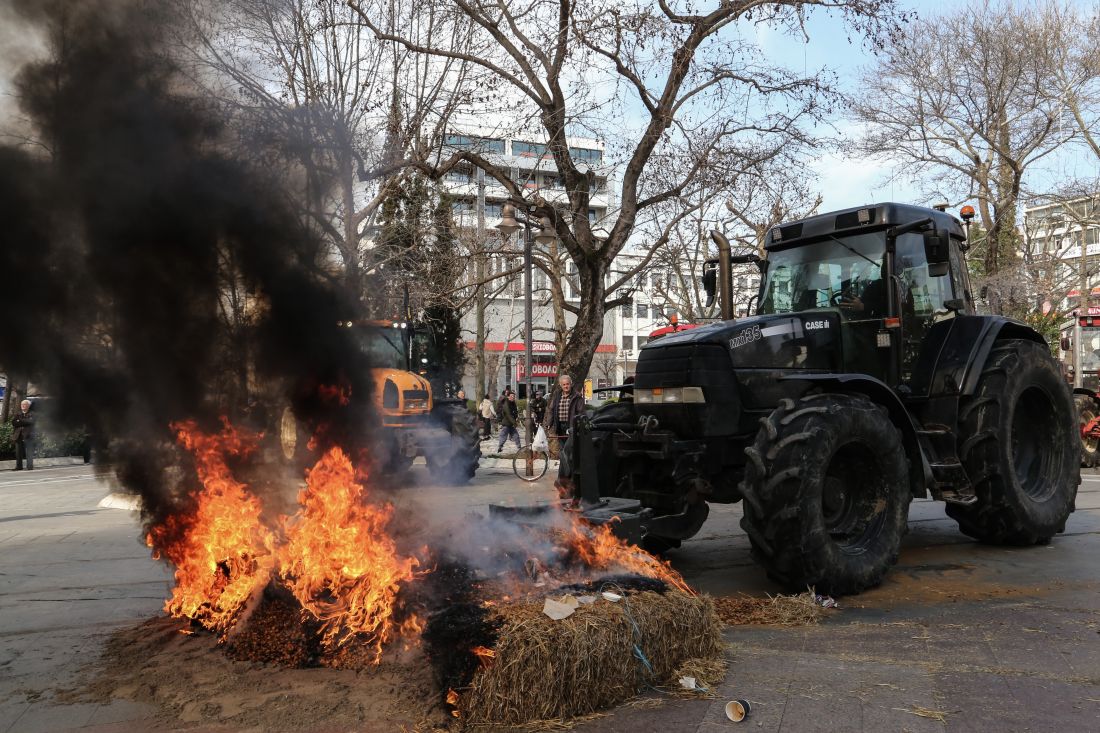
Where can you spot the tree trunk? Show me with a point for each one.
(479, 298)
(580, 347)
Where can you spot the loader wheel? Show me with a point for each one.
(1020, 447)
(1090, 447)
(826, 493)
(458, 465)
(293, 440)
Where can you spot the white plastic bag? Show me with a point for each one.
(540, 442)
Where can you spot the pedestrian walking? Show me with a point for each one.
(538, 407)
(23, 435)
(509, 419)
(488, 413)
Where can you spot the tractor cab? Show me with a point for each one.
(878, 278)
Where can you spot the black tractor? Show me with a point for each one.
(864, 379)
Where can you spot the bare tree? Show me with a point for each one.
(754, 201)
(966, 114)
(330, 102)
(703, 96)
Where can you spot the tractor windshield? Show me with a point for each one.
(822, 274)
(385, 346)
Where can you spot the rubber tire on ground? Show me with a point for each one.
(1087, 409)
(1020, 396)
(460, 464)
(784, 490)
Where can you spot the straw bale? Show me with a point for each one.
(547, 669)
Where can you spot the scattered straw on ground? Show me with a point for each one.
(708, 673)
(938, 715)
(547, 669)
(799, 610)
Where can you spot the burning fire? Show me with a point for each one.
(222, 552)
(335, 555)
(338, 560)
(452, 700)
(598, 547)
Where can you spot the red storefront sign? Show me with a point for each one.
(537, 370)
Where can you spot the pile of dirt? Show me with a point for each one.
(192, 682)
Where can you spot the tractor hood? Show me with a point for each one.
(807, 340)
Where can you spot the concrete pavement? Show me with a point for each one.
(986, 638)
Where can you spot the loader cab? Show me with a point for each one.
(889, 273)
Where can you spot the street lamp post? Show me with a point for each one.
(510, 224)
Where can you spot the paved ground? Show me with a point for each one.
(993, 638)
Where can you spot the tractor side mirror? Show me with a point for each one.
(937, 269)
(1064, 344)
(937, 245)
(710, 281)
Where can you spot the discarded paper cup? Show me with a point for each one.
(737, 710)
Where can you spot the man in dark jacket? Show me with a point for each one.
(509, 419)
(23, 435)
(538, 407)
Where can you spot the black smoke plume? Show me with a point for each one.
(124, 226)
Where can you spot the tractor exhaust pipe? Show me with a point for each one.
(725, 276)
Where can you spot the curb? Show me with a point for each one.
(47, 462)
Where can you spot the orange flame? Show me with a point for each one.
(599, 548)
(484, 654)
(452, 700)
(340, 563)
(223, 552)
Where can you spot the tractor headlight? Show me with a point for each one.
(669, 395)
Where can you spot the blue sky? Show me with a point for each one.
(844, 182)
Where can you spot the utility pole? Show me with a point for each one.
(479, 296)
(1083, 291)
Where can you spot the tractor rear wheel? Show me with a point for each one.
(826, 493)
(1090, 447)
(458, 464)
(1020, 447)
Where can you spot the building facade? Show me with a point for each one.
(1067, 236)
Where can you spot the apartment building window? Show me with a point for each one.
(628, 343)
(591, 216)
(462, 174)
(528, 150)
(571, 278)
(470, 142)
(592, 157)
(461, 207)
(642, 341)
(551, 182)
(494, 209)
(642, 310)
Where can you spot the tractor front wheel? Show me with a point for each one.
(826, 493)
